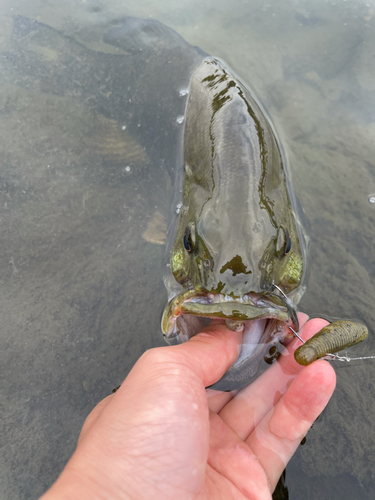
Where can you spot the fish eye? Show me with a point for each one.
(288, 242)
(187, 241)
(189, 238)
(284, 242)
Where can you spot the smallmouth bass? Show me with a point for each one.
(238, 251)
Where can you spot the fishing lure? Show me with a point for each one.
(330, 339)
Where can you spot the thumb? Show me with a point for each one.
(210, 353)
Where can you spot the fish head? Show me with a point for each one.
(230, 268)
(219, 252)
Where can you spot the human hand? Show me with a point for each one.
(160, 437)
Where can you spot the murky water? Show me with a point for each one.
(81, 289)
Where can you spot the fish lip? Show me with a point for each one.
(264, 305)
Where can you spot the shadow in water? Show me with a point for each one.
(281, 491)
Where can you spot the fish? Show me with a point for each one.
(334, 337)
(236, 247)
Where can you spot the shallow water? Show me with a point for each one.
(81, 290)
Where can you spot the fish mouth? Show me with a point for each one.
(187, 313)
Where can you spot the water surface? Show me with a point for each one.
(81, 289)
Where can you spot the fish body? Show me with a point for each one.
(236, 235)
(335, 337)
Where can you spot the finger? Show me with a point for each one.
(216, 400)
(280, 432)
(231, 458)
(252, 403)
(210, 353)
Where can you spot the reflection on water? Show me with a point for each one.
(81, 293)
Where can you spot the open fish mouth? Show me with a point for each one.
(186, 314)
(265, 318)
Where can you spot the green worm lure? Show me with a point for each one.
(330, 339)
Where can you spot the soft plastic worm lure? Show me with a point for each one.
(330, 339)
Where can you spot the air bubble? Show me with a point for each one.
(123, 127)
(371, 199)
(180, 120)
(184, 92)
(178, 208)
(127, 169)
